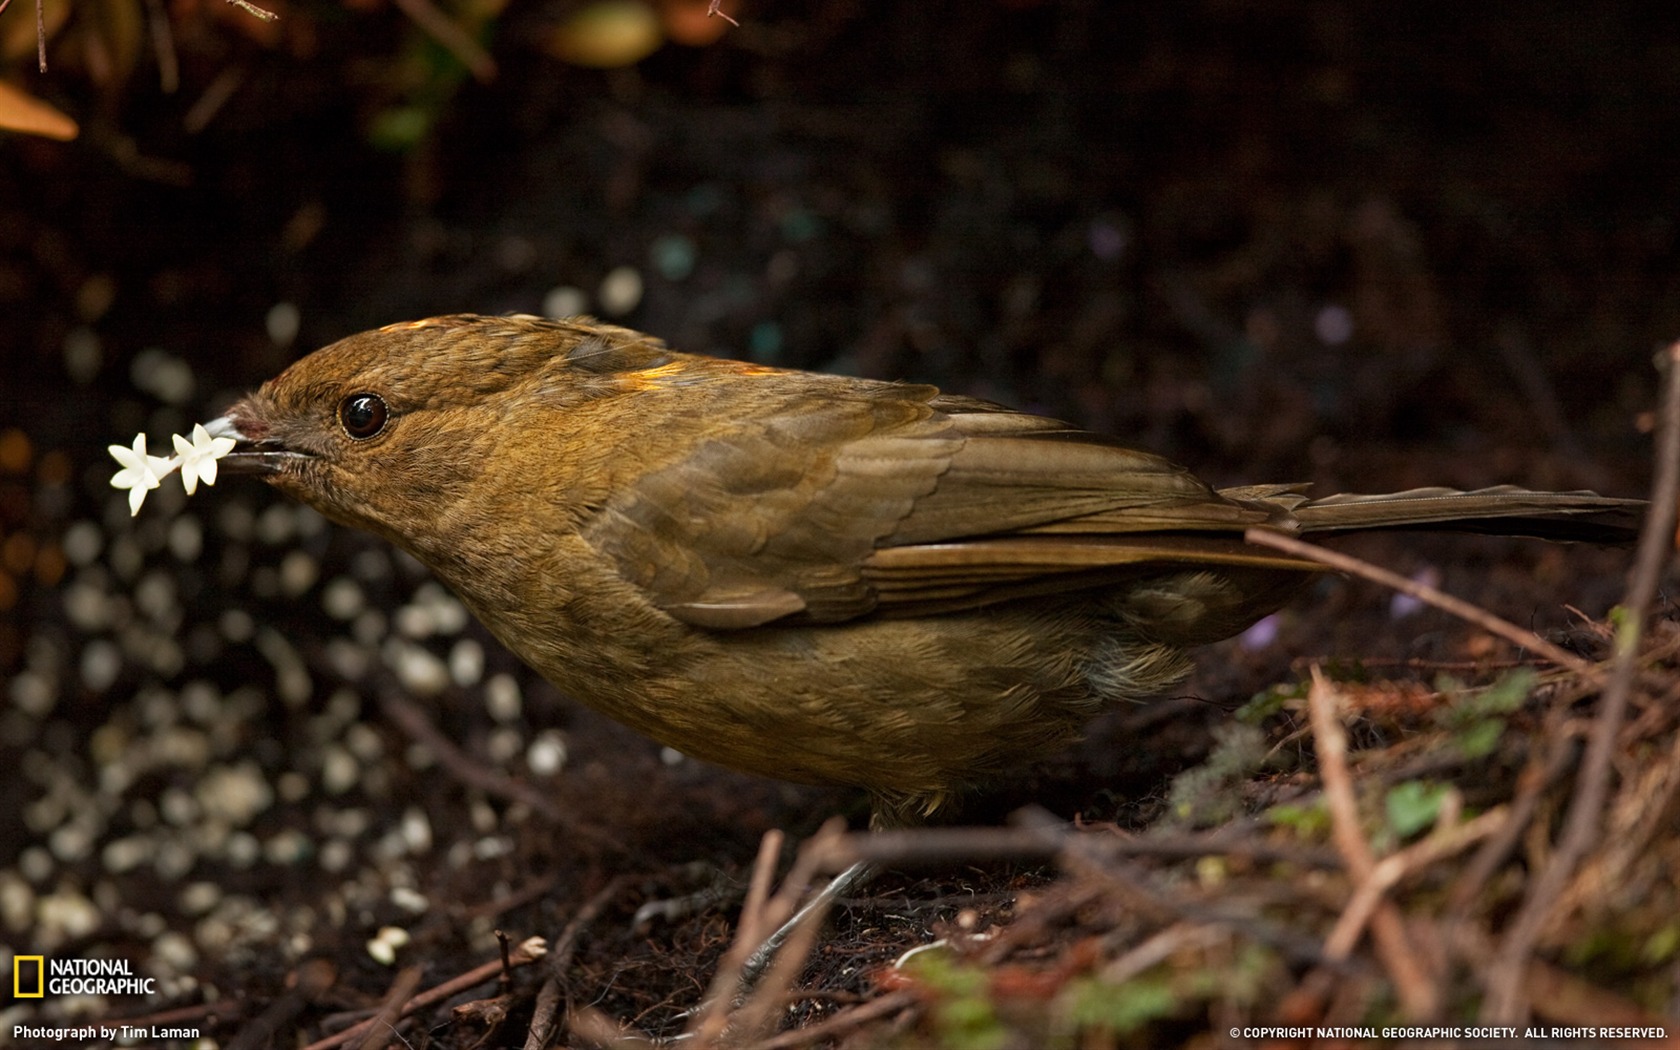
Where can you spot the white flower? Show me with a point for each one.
(140, 473)
(199, 456)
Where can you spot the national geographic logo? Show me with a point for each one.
(23, 986)
(36, 976)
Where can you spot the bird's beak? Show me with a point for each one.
(255, 452)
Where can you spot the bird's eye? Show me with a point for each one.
(362, 415)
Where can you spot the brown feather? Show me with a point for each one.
(813, 577)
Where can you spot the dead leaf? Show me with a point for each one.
(21, 111)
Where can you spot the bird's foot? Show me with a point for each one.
(721, 889)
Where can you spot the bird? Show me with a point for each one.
(812, 577)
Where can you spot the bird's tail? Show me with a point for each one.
(1505, 510)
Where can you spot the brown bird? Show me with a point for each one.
(810, 577)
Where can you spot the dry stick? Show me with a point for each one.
(383, 1025)
(1544, 767)
(1505, 1002)
(437, 25)
(757, 1016)
(1424, 593)
(1418, 995)
(945, 845)
(216, 95)
(253, 10)
(163, 47)
(713, 8)
(1654, 809)
(1176, 939)
(823, 851)
(1060, 901)
(553, 990)
(1396, 866)
(413, 720)
(750, 932)
(1536, 776)
(527, 952)
(499, 906)
(594, 1028)
(306, 985)
(1134, 889)
(840, 1023)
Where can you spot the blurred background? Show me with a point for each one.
(1368, 245)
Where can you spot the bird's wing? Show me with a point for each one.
(828, 504)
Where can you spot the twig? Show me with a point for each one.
(1563, 998)
(749, 934)
(252, 9)
(528, 951)
(1505, 1002)
(1415, 663)
(1396, 866)
(1224, 841)
(822, 852)
(412, 720)
(1388, 932)
(1137, 893)
(560, 959)
(1061, 901)
(163, 46)
(1653, 796)
(383, 1025)
(305, 985)
(1424, 593)
(541, 1028)
(716, 8)
(440, 27)
(566, 946)
(498, 906)
(216, 95)
(594, 1028)
(1531, 783)
(757, 1016)
(1174, 940)
(840, 1023)
(945, 845)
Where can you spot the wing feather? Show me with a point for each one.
(820, 498)
(826, 507)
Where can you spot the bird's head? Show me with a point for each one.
(391, 429)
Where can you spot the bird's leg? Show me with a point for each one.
(855, 877)
(719, 891)
(728, 994)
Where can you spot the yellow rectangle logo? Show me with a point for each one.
(18, 963)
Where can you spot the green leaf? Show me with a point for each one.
(1125, 1007)
(1477, 718)
(1413, 806)
(1311, 821)
(1268, 702)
